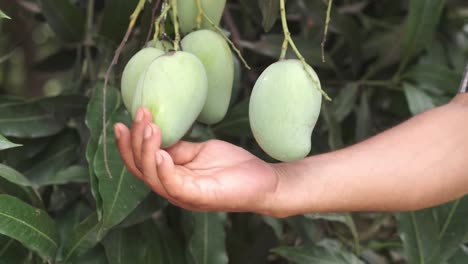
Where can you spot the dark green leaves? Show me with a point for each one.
(323, 253)
(66, 19)
(270, 12)
(418, 100)
(13, 176)
(422, 21)
(27, 120)
(31, 226)
(418, 231)
(121, 192)
(206, 242)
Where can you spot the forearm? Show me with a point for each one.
(420, 163)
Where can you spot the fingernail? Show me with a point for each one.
(117, 131)
(148, 131)
(139, 116)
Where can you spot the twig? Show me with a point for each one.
(176, 25)
(199, 14)
(288, 40)
(153, 17)
(158, 22)
(325, 31)
(228, 40)
(133, 19)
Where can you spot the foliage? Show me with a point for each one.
(385, 61)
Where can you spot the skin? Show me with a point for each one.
(420, 163)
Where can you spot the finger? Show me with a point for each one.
(151, 145)
(122, 135)
(181, 188)
(184, 152)
(139, 124)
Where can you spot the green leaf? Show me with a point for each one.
(269, 45)
(14, 176)
(418, 231)
(418, 100)
(93, 121)
(6, 144)
(66, 19)
(3, 15)
(326, 252)
(364, 118)
(335, 139)
(422, 21)
(60, 154)
(121, 247)
(206, 243)
(145, 210)
(345, 218)
(344, 103)
(72, 174)
(162, 245)
(30, 226)
(270, 12)
(275, 224)
(83, 238)
(453, 227)
(438, 76)
(11, 251)
(460, 256)
(121, 192)
(27, 120)
(26, 194)
(95, 256)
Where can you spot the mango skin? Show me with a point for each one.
(284, 108)
(216, 56)
(174, 88)
(188, 12)
(133, 70)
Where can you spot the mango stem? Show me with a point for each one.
(325, 31)
(220, 31)
(200, 13)
(157, 23)
(176, 25)
(289, 40)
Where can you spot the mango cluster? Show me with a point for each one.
(195, 84)
(181, 87)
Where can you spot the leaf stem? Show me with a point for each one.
(288, 39)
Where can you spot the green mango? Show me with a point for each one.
(134, 68)
(284, 107)
(215, 54)
(174, 88)
(188, 12)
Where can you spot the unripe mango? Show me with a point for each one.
(284, 108)
(213, 51)
(134, 68)
(174, 88)
(188, 13)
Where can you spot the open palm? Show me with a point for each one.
(213, 175)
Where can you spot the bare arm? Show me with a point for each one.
(419, 163)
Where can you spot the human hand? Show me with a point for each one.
(209, 176)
